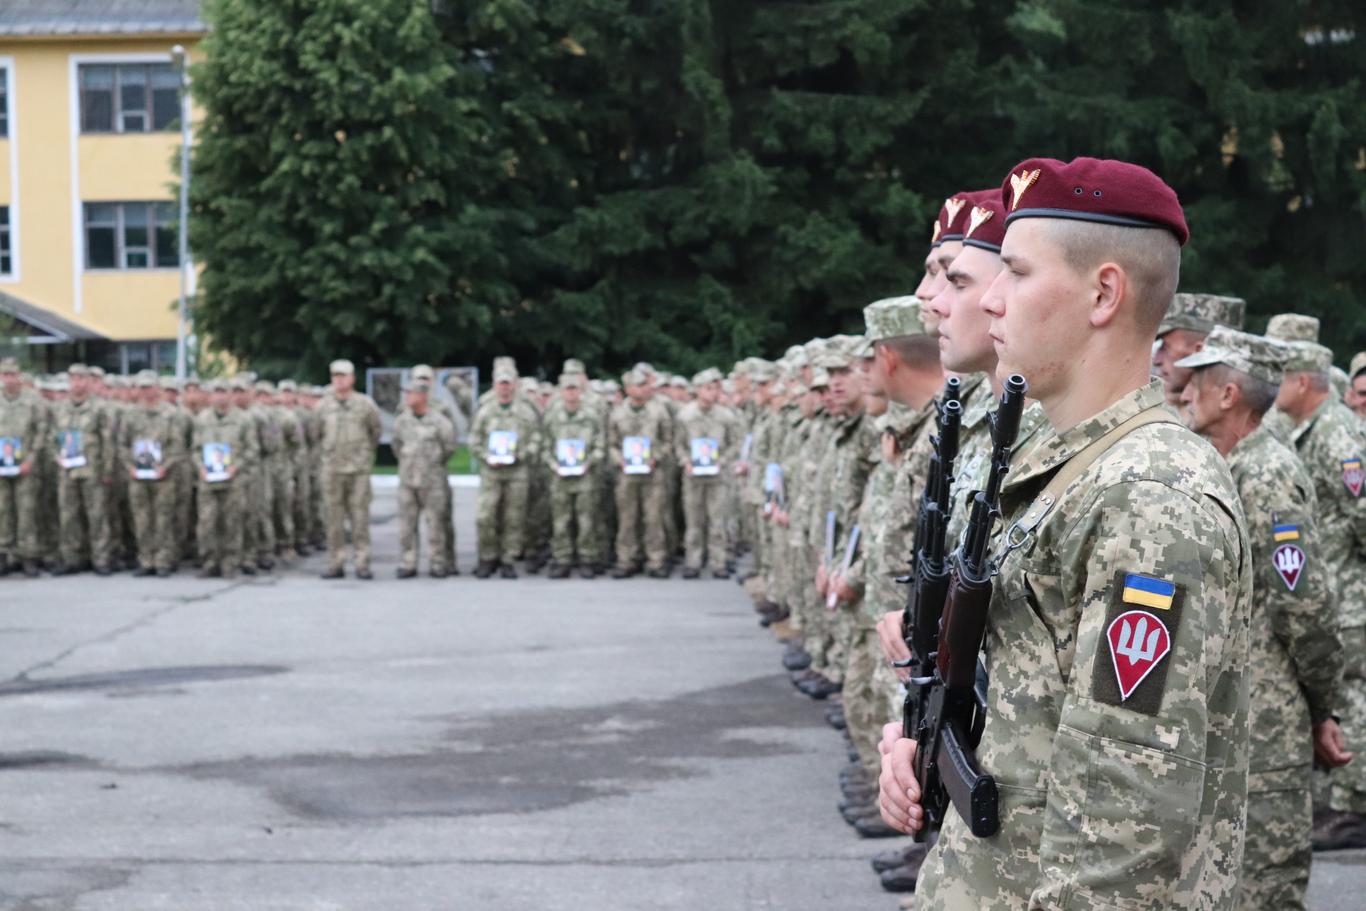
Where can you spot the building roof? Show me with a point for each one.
(43, 18)
(49, 326)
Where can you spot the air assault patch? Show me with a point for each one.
(1140, 625)
(1352, 475)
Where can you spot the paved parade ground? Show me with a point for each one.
(285, 742)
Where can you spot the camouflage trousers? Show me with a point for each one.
(282, 503)
(827, 637)
(413, 503)
(670, 515)
(153, 504)
(864, 704)
(84, 507)
(303, 496)
(1347, 785)
(317, 505)
(1276, 852)
(186, 488)
(704, 504)
(575, 532)
(346, 503)
(254, 493)
(759, 523)
(447, 507)
(537, 534)
(220, 523)
(641, 501)
(500, 522)
(19, 516)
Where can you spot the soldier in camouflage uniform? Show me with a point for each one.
(1120, 748)
(1190, 318)
(300, 456)
(423, 373)
(222, 503)
(504, 477)
(350, 433)
(1294, 328)
(280, 466)
(1296, 661)
(641, 497)
(423, 441)
(83, 488)
(705, 424)
(23, 423)
(151, 445)
(1328, 440)
(1356, 391)
(182, 474)
(574, 453)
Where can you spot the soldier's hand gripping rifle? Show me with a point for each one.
(929, 568)
(949, 723)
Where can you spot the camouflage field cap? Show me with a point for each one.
(77, 370)
(215, 386)
(762, 371)
(170, 382)
(504, 370)
(341, 366)
(1358, 364)
(9, 365)
(632, 377)
(1293, 327)
(893, 317)
(1202, 312)
(1260, 357)
(820, 379)
(97, 372)
(422, 372)
(1307, 357)
(1339, 380)
(288, 386)
(646, 368)
(146, 379)
(678, 382)
(863, 348)
(193, 380)
(835, 357)
(240, 384)
(571, 380)
(573, 365)
(710, 375)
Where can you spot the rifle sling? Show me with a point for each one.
(1074, 467)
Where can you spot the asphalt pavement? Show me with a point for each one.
(285, 742)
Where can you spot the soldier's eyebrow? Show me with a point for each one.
(955, 274)
(1009, 259)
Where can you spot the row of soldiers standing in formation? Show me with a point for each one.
(105, 473)
(845, 428)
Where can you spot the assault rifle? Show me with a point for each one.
(929, 569)
(944, 711)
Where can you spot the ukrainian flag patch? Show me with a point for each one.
(1285, 533)
(1149, 592)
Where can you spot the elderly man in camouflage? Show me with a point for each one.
(1327, 437)
(23, 422)
(1296, 661)
(1189, 319)
(350, 433)
(1122, 764)
(423, 441)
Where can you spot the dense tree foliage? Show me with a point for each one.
(688, 181)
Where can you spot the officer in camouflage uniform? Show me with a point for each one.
(23, 424)
(1327, 437)
(423, 373)
(83, 488)
(423, 440)
(280, 466)
(182, 473)
(297, 416)
(705, 423)
(1116, 724)
(152, 448)
(641, 498)
(574, 451)
(1190, 318)
(1288, 327)
(350, 433)
(1296, 661)
(504, 482)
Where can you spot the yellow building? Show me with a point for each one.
(89, 175)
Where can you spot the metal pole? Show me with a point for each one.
(182, 328)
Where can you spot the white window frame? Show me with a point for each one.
(121, 248)
(12, 137)
(73, 85)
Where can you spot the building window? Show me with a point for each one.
(130, 235)
(4, 102)
(129, 97)
(6, 244)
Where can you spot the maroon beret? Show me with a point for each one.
(986, 225)
(953, 217)
(1093, 189)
